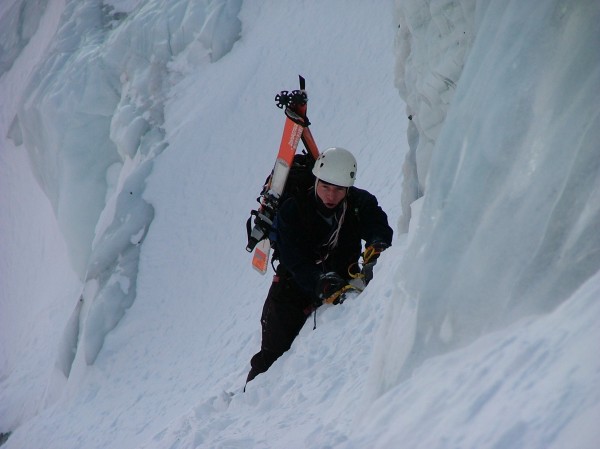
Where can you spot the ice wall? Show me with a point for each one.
(96, 100)
(432, 44)
(508, 226)
(92, 122)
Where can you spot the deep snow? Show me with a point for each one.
(135, 136)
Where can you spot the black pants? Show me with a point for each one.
(284, 313)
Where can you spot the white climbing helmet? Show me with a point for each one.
(336, 166)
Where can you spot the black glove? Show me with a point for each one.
(380, 246)
(328, 284)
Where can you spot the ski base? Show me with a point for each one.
(260, 260)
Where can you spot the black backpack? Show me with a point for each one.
(300, 179)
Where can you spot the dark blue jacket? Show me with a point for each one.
(301, 232)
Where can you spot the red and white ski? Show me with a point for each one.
(295, 129)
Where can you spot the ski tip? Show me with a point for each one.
(302, 82)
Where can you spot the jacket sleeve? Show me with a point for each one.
(294, 247)
(373, 220)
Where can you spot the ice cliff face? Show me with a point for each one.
(111, 79)
(432, 46)
(508, 224)
(92, 122)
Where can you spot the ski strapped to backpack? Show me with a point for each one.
(296, 128)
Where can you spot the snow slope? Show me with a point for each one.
(135, 136)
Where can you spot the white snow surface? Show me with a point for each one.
(135, 136)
